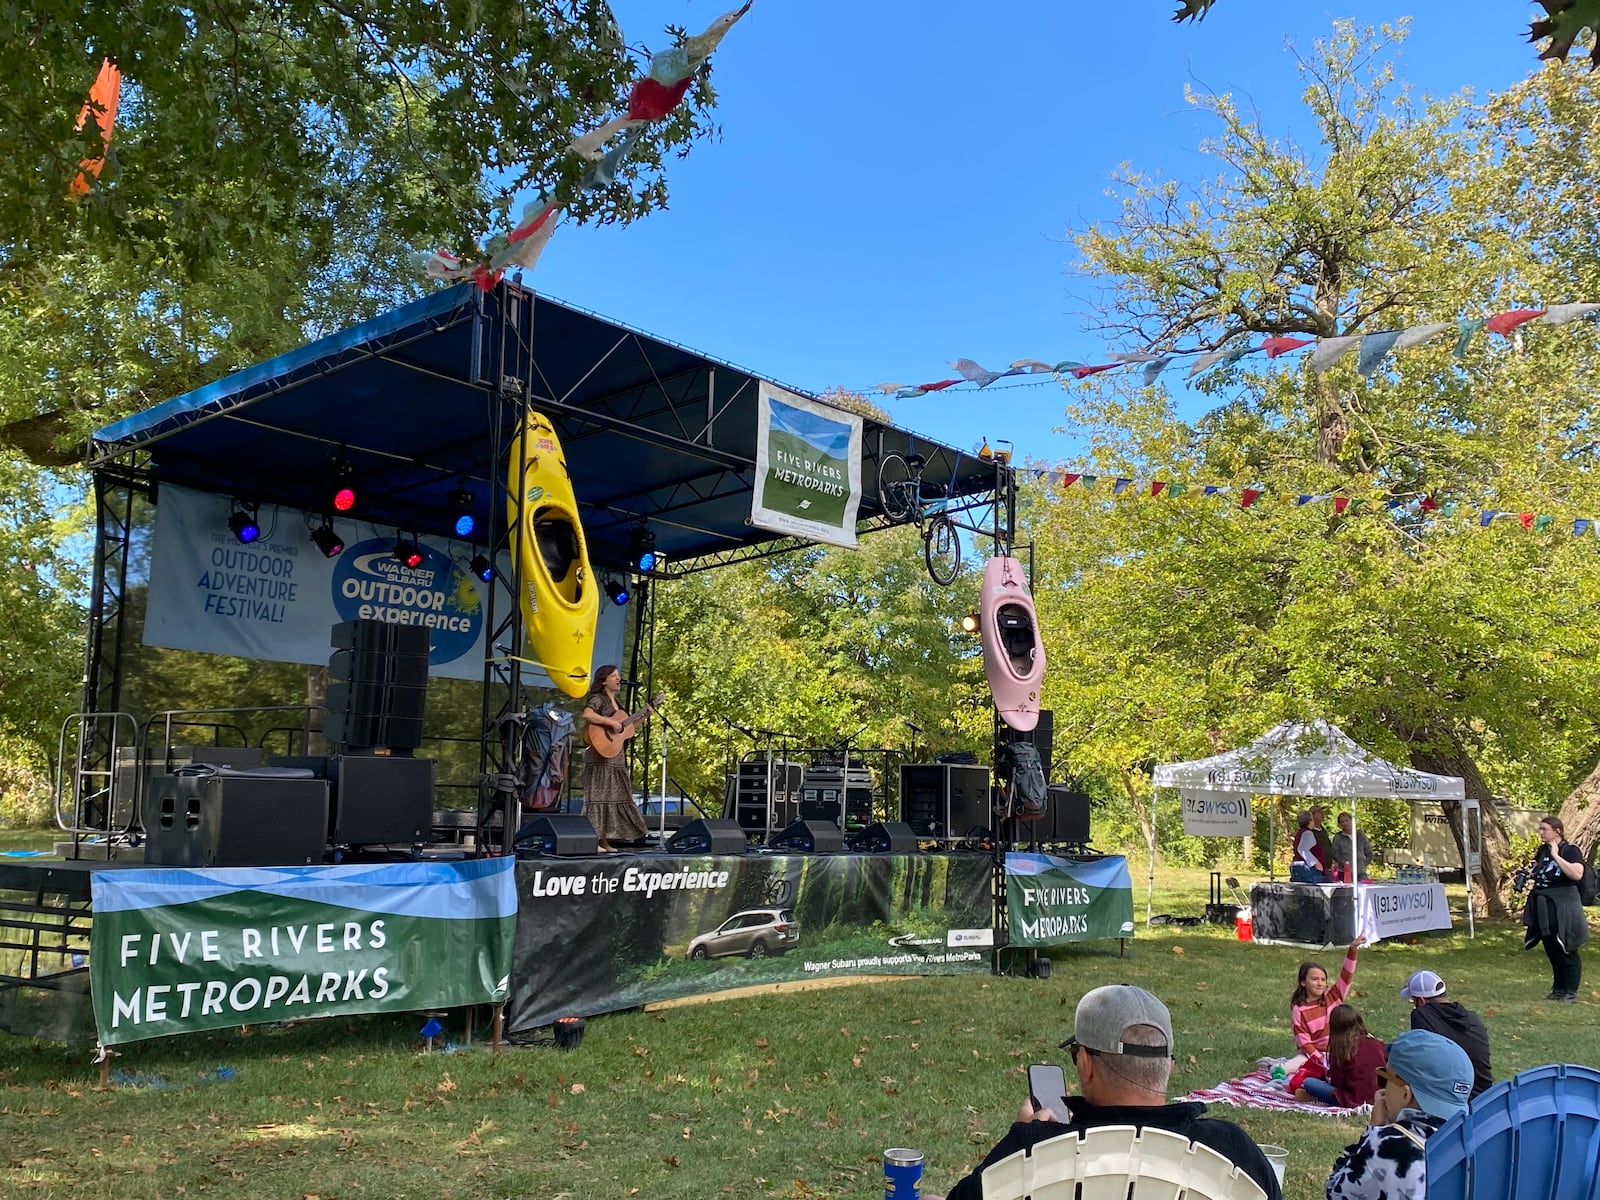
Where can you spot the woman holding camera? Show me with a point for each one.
(1553, 914)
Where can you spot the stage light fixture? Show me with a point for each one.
(461, 509)
(327, 540)
(642, 556)
(969, 623)
(482, 568)
(342, 495)
(243, 522)
(618, 591)
(408, 552)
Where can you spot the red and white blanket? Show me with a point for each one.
(1260, 1090)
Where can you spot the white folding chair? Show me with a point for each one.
(1118, 1162)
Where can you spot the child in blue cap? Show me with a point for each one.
(1427, 1080)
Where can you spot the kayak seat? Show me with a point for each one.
(558, 544)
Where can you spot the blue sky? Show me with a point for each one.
(896, 177)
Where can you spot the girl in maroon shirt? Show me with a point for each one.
(1354, 1057)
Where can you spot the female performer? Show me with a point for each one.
(607, 788)
(1553, 914)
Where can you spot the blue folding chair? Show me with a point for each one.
(1535, 1136)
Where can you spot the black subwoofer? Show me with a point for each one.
(558, 834)
(945, 800)
(711, 836)
(235, 821)
(374, 799)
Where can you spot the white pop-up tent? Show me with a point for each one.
(1296, 758)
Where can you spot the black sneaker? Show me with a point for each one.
(1567, 998)
(1555, 994)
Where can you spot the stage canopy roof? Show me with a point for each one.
(652, 431)
(1307, 759)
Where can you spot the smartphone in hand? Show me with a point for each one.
(1047, 1088)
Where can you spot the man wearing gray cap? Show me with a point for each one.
(1425, 1082)
(1121, 1045)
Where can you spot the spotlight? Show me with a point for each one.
(969, 623)
(342, 497)
(482, 568)
(408, 552)
(642, 557)
(618, 592)
(329, 542)
(243, 523)
(461, 506)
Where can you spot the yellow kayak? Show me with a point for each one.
(560, 596)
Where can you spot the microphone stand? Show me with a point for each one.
(844, 789)
(661, 817)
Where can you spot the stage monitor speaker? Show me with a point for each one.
(235, 821)
(1066, 817)
(713, 835)
(947, 801)
(559, 834)
(885, 837)
(808, 837)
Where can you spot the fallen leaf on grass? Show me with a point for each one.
(671, 1160)
(1177, 949)
(578, 1089)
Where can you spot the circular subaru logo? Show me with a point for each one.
(369, 583)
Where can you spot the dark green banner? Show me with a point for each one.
(1050, 901)
(175, 951)
(599, 936)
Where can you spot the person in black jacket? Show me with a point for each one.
(1121, 1045)
(1433, 1010)
(1553, 913)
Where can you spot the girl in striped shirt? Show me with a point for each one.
(1309, 1007)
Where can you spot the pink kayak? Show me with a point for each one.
(1013, 652)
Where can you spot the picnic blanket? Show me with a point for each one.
(1259, 1090)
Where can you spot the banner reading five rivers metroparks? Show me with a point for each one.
(176, 951)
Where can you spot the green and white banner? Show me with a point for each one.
(176, 951)
(1052, 900)
(808, 468)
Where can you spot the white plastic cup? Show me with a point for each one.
(1279, 1158)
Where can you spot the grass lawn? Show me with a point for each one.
(790, 1095)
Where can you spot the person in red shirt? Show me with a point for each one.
(1354, 1057)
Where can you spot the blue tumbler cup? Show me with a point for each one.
(902, 1174)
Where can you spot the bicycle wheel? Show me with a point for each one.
(941, 546)
(896, 488)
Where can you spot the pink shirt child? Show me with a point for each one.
(1310, 1020)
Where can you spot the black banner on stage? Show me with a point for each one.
(596, 937)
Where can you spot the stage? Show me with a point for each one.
(1308, 914)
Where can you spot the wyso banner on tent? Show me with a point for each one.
(1217, 814)
(1050, 901)
(808, 468)
(176, 951)
(597, 937)
(277, 598)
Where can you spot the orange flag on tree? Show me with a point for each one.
(105, 93)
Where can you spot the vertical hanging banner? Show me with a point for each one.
(277, 598)
(808, 468)
(176, 951)
(1051, 901)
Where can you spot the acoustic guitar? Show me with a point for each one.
(607, 744)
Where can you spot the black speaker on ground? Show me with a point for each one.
(808, 837)
(235, 821)
(374, 799)
(715, 835)
(558, 834)
(948, 801)
(885, 837)
(1302, 912)
(1065, 819)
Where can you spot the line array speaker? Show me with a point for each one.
(378, 686)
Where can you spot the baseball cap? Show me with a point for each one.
(1106, 1012)
(1424, 985)
(1438, 1070)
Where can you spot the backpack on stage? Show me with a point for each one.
(538, 749)
(1026, 793)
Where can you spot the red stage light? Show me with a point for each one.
(344, 499)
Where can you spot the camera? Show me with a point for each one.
(1519, 880)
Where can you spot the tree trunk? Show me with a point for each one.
(1581, 815)
(1496, 843)
(1142, 812)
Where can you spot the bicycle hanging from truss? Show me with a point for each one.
(900, 493)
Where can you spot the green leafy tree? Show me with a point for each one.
(1187, 624)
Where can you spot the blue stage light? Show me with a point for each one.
(482, 568)
(461, 505)
(642, 556)
(617, 591)
(244, 524)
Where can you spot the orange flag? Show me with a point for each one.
(105, 93)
